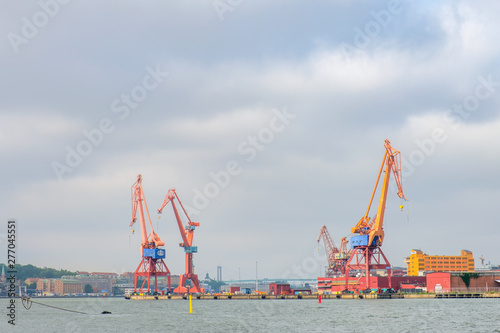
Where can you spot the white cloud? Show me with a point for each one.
(30, 132)
(226, 78)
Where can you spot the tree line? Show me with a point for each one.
(30, 271)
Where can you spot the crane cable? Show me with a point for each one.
(27, 302)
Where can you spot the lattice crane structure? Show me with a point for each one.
(152, 264)
(187, 233)
(336, 258)
(366, 251)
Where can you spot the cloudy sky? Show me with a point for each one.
(268, 117)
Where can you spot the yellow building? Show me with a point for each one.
(419, 262)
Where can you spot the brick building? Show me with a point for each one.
(67, 286)
(46, 285)
(280, 289)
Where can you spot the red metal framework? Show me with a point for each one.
(152, 264)
(366, 258)
(187, 234)
(336, 258)
(149, 268)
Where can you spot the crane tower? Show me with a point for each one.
(366, 251)
(152, 264)
(187, 234)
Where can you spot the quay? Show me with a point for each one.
(313, 296)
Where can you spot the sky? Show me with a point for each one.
(267, 117)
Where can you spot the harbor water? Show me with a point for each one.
(332, 315)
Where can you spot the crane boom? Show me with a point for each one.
(374, 227)
(330, 247)
(171, 195)
(336, 258)
(138, 200)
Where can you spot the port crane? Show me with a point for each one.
(336, 258)
(366, 251)
(187, 233)
(152, 264)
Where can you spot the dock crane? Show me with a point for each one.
(336, 258)
(367, 246)
(187, 234)
(152, 264)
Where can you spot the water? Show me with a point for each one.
(333, 315)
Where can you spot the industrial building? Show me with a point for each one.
(335, 285)
(419, 262)
(460, 282)
(280, 288)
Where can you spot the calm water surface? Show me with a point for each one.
(333, 315)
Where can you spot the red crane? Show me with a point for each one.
(187, 234)
(336, 258)
(152, 264)
(367, 246)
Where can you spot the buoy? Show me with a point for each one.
(401, 207)
(319, 298)
(190, 304)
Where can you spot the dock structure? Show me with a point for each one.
(314, 296)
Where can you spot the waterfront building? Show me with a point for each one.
(46, 285)
(67, 286)
(419, 262)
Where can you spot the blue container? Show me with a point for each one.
(362, 241)
(148, 252)
(191, 249)
(159, 254)
(154, 253)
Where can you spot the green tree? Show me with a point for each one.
(88, 289)
(30, 271)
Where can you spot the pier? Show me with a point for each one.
(313, 296)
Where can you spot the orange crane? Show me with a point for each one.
(367, 246)
(187, 234)
(336, 258)
(152, 264)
